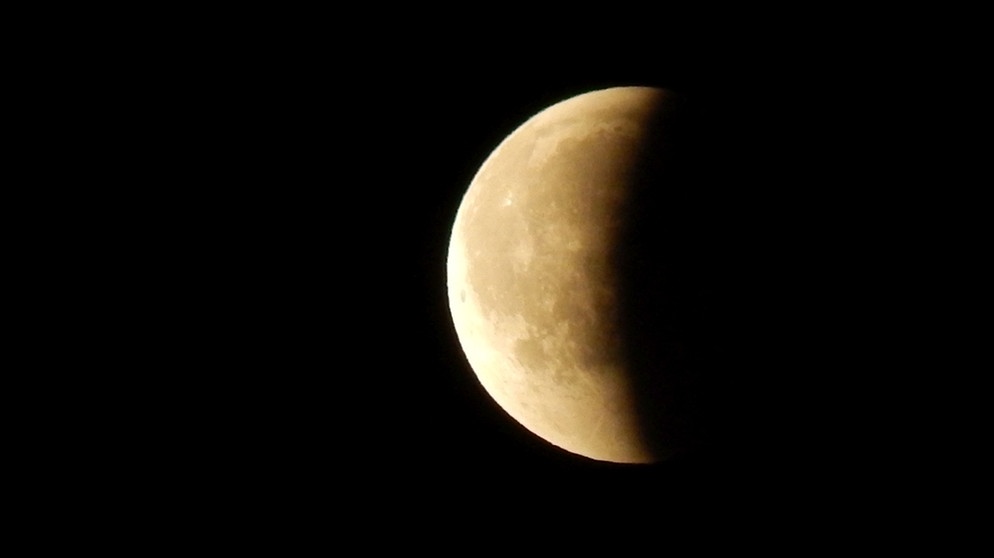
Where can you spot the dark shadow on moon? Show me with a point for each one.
(673, 262)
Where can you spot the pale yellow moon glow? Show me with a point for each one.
(530, 284)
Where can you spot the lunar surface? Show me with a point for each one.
(541, 270)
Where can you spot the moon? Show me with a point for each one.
(554, 282)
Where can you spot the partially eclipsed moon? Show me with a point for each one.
(534, 277)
